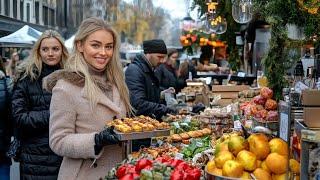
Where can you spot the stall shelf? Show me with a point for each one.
(310, 150)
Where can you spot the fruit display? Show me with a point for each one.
(163, 167)
(261, 107)
(258, 156)
(137, 124)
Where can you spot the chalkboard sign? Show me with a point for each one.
(284, 120)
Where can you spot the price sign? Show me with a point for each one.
(285, 121)
(284, 126)
(241, 74)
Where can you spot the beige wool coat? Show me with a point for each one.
(73, 126)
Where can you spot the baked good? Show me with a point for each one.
(184, 135)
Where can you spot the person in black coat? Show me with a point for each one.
(30, 108)
(5, 123)
(167, 72)
(143, 85)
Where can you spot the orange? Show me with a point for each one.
(232, 168)
(245, 175)
(294, 166)
(279, 176)
(279, 146)
(236, 144)
(217, 172)
(265, 167)
(247, 159)
(222, 157)
(211, 166)
(259, 163)
(221, 147)
(259, 146)
(277, 163)
(261, 174)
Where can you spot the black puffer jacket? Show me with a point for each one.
(30, 107)
(144, 89)
(167, 77)
(5, 120)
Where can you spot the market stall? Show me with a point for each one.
(221, 142)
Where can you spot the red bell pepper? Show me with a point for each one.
(176, 162)
(130, 176)
(143, 163)
(127, 177)
(192, 174)
(183, 166)
(121, 171)
(177, 175)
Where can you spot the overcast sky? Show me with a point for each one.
(177, 8)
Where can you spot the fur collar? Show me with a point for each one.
(72, 77)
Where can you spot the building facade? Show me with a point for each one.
(39, 14)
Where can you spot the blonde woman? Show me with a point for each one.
(12, 65)
(30, 108)
(89, 92)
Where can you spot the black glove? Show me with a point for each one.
(198, 107)
(105, 137)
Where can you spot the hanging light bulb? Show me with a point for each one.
(216, 24)
(242, 11)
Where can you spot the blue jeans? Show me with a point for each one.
(4, 171)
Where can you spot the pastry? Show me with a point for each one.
(184, 136)
(176, 137)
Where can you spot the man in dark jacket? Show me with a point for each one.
(142, 82)
(144, 86)
(5, 125)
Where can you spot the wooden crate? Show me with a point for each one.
(229, 88)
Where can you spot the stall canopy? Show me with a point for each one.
(69, 42)
(26, 35)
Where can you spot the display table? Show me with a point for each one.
(219, 77)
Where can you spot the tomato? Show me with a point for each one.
(183, 166)
(193, 174)
(131, 169)
(163, 159)
(148, 167)
(121, 171)
(143, 163)
(176, 162)
(176, 175)
(127, 177)
(135, 176)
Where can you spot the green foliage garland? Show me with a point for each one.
(278, 14)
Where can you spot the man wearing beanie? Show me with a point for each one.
(143, 84)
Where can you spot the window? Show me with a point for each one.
(15, 9)
(21, 10)
(45, 15)
(28, 12)
(51, 17)
(37, 12)
(6, 8)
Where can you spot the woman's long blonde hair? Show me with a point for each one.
(113, 71)
(32, 66)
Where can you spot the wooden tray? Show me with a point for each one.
(142, 135)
